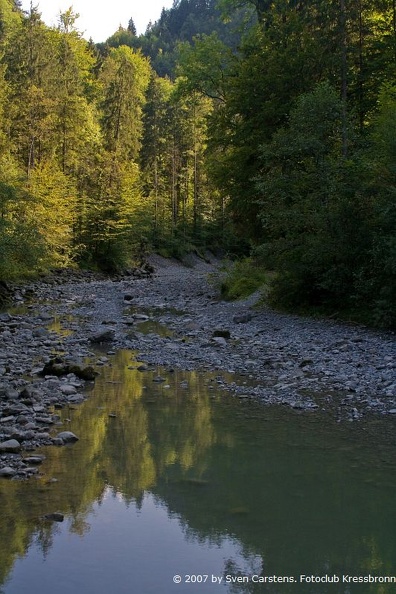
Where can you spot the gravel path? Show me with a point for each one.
(175, 319)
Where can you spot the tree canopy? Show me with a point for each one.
(246, 126)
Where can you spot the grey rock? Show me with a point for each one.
(141, 317)
(11, 445)
(67, 437)
(7, 472)
(219, 341)
(104, 336)
(34, 460)
(9, 419)
(68, 389)
(242, 318)
(40, 332)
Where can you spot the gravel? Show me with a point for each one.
(175, 318)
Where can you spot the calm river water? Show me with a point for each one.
(179, 479)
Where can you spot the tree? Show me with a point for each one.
(124, 78)
(131, 26)
(75, 116)
(30, 72)
(378, 276)
(315, 222)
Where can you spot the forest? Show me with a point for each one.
(257, 129)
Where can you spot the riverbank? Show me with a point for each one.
(175, 319)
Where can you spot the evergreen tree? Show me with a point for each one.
(131, 26)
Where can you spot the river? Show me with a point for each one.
(178, 480)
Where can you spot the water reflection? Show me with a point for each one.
(173, 477)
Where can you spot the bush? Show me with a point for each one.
(242, 279)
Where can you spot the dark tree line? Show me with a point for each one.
(302, 142)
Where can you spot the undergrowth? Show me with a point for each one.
(242, 278)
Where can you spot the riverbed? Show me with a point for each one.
(217, 440)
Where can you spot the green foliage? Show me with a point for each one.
(243, 278)
(21, 246)
(312, 215)
(379, 277)
(276, 130)
(21, 250)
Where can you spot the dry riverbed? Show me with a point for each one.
(174, 319)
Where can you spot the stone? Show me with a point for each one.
(9, 419)
(7, 472)
(103, 336)
(40, 332)
(11, 445)
(141, 317)
(67, 437)
(221, 334)
(34, 460)
(86, 373)
(242, 318)
(67, 389)
(58, 368)
(219, 341)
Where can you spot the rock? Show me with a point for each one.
(141, 317)
(7, 472)
(67, 437)
(11, 445)
(219, 341)
(9, 419)
(242, 318)
(59, 368)
(67, 389)
(221, 334)
(34, 460)
(55, 367)
(128, 321)
(305, 362)
(103, 336)
(87, 373)
(40, 332)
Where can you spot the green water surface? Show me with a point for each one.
(176, 478)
